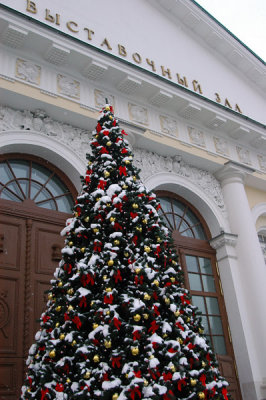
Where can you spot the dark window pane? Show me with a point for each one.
(198, 301)
(212, 305)
(187, 233)
(195, 282)
(65, 204)
(216, 325)
(208, 283)
(178, 207)
(14, 187)
(5, 174)
(205, 265)
(165, 204)
(219, 344)
(199, 232)
(192, 264)
(40, 173)
(20, 168)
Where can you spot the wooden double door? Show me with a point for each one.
(30, 249)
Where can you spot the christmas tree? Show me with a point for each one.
(119, 323)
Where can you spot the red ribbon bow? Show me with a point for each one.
(44, 393)
(136, 335)
(167, 377)
(153, 328)
(108, 299)
(224, 393)
(184, 300)
(139, 280)
(59, 387)
(203, 379)
(135, 391)
(104, 150)
(116, 362)
(77, 321)
(83, 302)
(118, 276)
(122, 170)
(180, 383)
(117, 323)
(98, 127)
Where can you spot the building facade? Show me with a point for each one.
(191, 97)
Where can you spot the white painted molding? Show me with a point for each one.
(258, 210)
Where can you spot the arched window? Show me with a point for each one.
(29, 178)
(197, 258)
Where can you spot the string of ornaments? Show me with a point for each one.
(119, 323)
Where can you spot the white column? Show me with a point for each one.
(251, 268)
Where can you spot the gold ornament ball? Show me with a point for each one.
(112, 219)
(70, 291)
(70, 308)
(110, 263)
(145, 382)
(145, 316)
(127, 162)
(167, 300)
(144, 221)
(68, 380)
(76, 214)
(147, 249)
(156, 283)
(135, 351)
(28, 390)
(115, 396)
(139, 228)
(137, 317)
(92, 303)
(174, 262)
(165, 335)
(57, 324)
(201, 330)
(135, 205)
(126, 376)
(104, 277)
(201, 395)
(58, 308)
(110, 117)
(106, 174)
(108, 289)
(50, 296)
(172, 279)
(52, 354)
(87, 219)
(60, 284)
(62, 336)
(70, 243)
(188, 319)
(74, 343)
(37, 356)
(203, 364)
(96, 358)
(107, 344)
(180, 340)
(98, 199)
(159, 240)
(177, 313)
(193, 382)
(126, 254)
(107, 312)
(137, 270)
(117, 242)
(107, 108)
(151, 357)
(87, 375)
(124, 186)
(109, 143)
(134, 178)
(95, 230)
(83, 249)
(173, 368)
(147, 296)
(95, 326)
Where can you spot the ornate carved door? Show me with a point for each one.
(30, 249)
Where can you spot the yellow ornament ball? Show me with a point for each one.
(62, 336)
(137, 270)
(87, 375)
(135, 351)
(144, 221)
(159, 240)
(106, 174)
(126, 254)
(108, 289)
(70, 308)
(110, 263)
(60, 284)
(139, 228)
(57, 324)
(107, 108)
(95, 230)
(74, 343)
(147, 296)
(127, 162)
(105, 277)
(58, 308)
(193, 382)
(112, 219)
(110, 117)
(87, 219)
(70, 243)
(137, 317)
(117, 242)
(68, 380)
(107, 344)
(70, 291)
(134, 178)
(174, 262)
(50, 296)
(180, 340)
(172, 279)
(201, 330)
(124, 186)
(147, 249)
(167, 300)
(95, 326)
(109, 143)
(145, 382)
(203, 364)
(155, 282)
(135, 206)
(115, 396)
(96, 358)
(201, 395)
(146, 316)
(177, 313)
(173, 368)
(52, 354)
(83, 249)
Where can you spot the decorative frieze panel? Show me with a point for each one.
(243, 155)
(100, 97)
(28, 71)
(196, 137)
(67, 86)
(262, 162)
(151, 163)
(221, 146)
(138, 114)
(168, 125)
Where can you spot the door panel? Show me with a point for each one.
(12, 284)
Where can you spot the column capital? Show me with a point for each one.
(233, 172)
(223, 239)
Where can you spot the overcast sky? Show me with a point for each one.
(246, 19)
